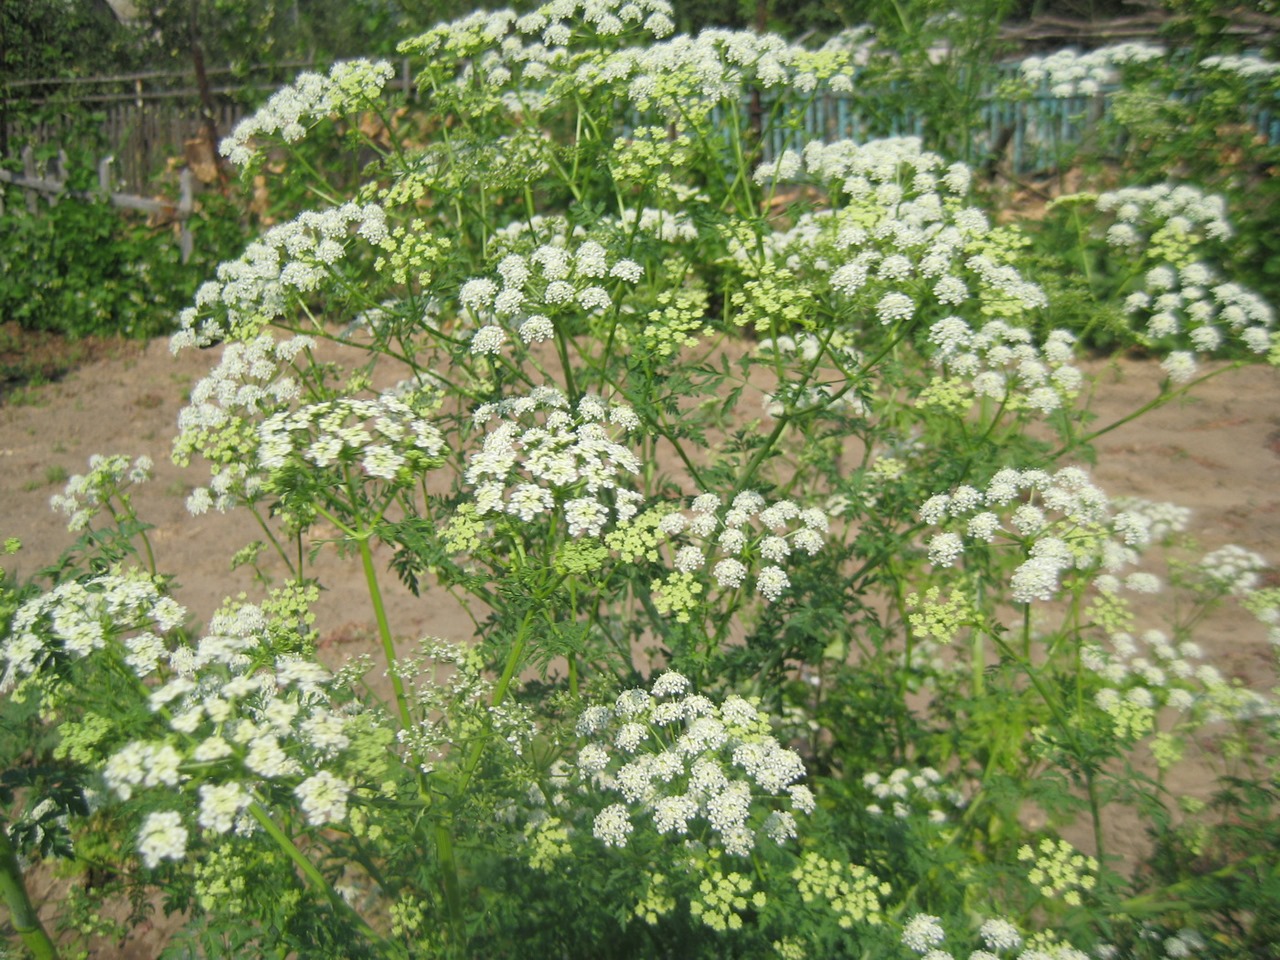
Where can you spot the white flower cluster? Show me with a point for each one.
(690, 767)
(502, 42)
(686, 76)
(235, 715)
(750, 531)
(872, 168)
(1183, 299)
(901, 242)
(452, 693)
(278, 269)
(1062, 521)
(384, 436)
(1234, 569)
(908, 793)
(86, 494)
(535, 289)
(1181, 209)
(669, 226)
(1163, 519)
(542, 456)
(350, 85)
(76, 618)
(1246, 67)
(1151, 671)
(219, 422)
(1001, 362)
(924, 934)
(1069, 73)
(225, 718)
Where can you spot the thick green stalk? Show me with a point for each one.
(22, 914)
(449, 871)
(384, 632)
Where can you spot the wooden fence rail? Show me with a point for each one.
(52, 185)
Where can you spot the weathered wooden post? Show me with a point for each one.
(186, 204)
(104, 175)
(29, 173)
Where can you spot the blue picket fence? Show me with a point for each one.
(1038, 133)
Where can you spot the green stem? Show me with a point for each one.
(449, 871)
(1160, 400)
(384, 631)
(316, 879)
(293, 571)
(22, 914)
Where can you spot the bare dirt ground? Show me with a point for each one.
(1218, 453)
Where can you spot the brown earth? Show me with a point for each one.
(1218, 453)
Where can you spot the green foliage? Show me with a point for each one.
(798, 628)
(84, 267)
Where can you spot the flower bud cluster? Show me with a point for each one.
(1059, 871)
(852, 892)
(689, 767)
(725, 897)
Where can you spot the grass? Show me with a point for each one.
(30, 359)
(53, 476)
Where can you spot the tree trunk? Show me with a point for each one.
(208, 109)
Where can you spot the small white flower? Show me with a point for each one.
(944, 548)
(688, 559)
(612, 826)
(323, 798)
(162, 837)
(729, 572)
(771, 582)
(488, 340)
(536, 329)
(922, 933)
(670, 684)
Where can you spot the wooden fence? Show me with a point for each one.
(51, 184)
(147, 120)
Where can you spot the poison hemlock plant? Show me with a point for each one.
(767, 467)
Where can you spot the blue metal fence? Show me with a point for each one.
(1040, 132)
